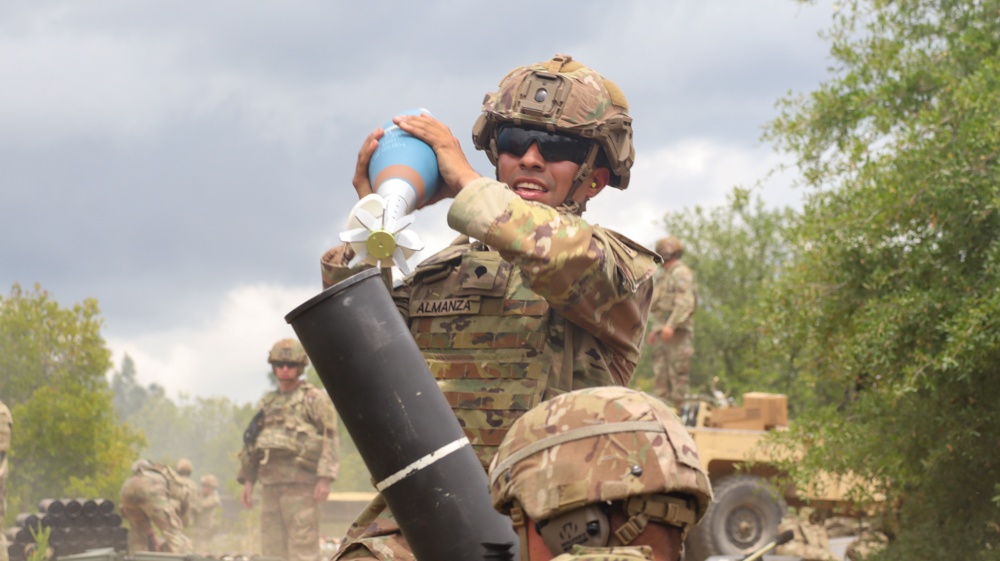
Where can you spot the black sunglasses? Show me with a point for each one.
(554, 146)
(283, 364)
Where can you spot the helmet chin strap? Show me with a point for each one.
(664, 509)
(586, 168)
(517, 518)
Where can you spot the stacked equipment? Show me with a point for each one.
(75, 526)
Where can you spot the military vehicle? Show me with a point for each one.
(748, 505)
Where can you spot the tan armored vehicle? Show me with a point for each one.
(748, 507)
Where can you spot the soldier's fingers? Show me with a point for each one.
(362, 185)
(424, 127)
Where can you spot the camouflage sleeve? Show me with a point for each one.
(323, 416)
(592, 277)
(683, 297)
(249, 459)
(620, 553)
(333, 267)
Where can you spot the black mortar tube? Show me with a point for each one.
(401, 423)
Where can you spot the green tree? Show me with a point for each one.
(68, 442)
(67, 439)
(736, 251)
(129, 395)
(896, 287)
(44, 344)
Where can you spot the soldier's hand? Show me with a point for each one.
(246, 496)
(322, 490)
(667, 333)
(362, 184)
(455, 169)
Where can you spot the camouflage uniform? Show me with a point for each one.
(809, 541)
(205, 510)
(6, 428)
(592, 449)
(868, 543)
(184, 468)
(543, 303)
(580, 553)
(155, 495)
(674, 304)
(297, 445)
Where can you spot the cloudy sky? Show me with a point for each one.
(186, 164)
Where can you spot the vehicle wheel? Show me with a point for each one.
(744, 516)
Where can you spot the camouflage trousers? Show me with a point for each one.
(374, 535)
(144, 503)
(809, 541)
(3, 546)
(671, 363)
(289, 522)
(580, 553)
(867, 543)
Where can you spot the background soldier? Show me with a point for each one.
(809, 542)
(672, 324)
(156, 496)
(291, 447)
(6, 428)
(184, 469)
(205, 514)
(531, 300)
(619, 479)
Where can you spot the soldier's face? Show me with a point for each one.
(286, 371)
(534, 178)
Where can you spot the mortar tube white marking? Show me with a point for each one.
(422, 463)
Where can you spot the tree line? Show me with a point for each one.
(876, 307)
(77, 431)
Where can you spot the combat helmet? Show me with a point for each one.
(288, 350)
(598, 445)
(184, 467)
(668, 246)
(210, 480)
(562, 95)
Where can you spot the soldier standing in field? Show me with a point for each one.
(205, 510)
(6, 428)
(155, 496)
(184, 469)
(291, 447)
(531, 300)
(671, 320)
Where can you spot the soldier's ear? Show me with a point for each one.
(598, 181)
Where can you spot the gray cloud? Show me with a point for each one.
(156, 155)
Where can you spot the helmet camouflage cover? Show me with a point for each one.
(184, 467)
(561, 95)
(668, 246)
(594, 445)
(288, 350)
